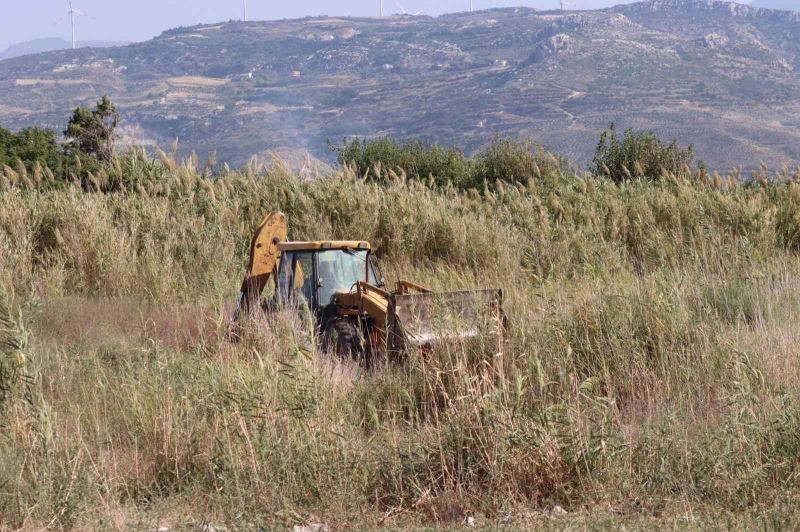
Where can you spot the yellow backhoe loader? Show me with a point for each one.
(354, 313)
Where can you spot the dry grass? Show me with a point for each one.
(649, 379)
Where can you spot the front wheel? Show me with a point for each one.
(344, 337)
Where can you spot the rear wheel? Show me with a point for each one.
(344, 338)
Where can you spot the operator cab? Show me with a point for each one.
(312, 272)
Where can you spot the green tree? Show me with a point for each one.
(93, 131)
(31, 145)
(640, 154)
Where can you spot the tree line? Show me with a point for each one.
(88, 147)
(88, 143)
(637, 155)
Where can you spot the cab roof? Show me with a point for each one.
(323, 245)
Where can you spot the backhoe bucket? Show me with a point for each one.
(425, 319)
(264, 257)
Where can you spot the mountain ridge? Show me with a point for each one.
(49, 44)
(720, 75)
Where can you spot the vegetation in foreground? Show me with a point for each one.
(650, 376)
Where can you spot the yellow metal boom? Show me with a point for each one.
(264, 257)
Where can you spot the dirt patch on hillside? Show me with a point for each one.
(197, 81)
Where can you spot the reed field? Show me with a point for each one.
(649, 378)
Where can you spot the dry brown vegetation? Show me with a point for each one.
(649, 380)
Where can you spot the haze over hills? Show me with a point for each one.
(720, 75)
(36, 46)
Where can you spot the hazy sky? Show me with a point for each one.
(135, 20)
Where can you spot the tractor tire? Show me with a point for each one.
(344, 338)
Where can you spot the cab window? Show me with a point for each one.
(339, 271)
(296, 277)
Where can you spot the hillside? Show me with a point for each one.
(37, 46)
(720, 75)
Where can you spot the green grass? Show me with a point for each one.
(649, 379)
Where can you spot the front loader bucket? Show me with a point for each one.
(426, 319)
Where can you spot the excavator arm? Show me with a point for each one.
(264, 258)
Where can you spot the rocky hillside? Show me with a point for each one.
(720, 75)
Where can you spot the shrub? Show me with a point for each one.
(504, 159)
(640, 154)
(508, 160)
(376, 158)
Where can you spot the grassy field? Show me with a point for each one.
(650, 378)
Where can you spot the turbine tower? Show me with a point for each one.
(72, 13)
(244, 10)
(381, 2)
(470, 5)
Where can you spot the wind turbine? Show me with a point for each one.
(244, 10)
(470, 5)
(381, 2)
(404, 12)
(72, 13)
